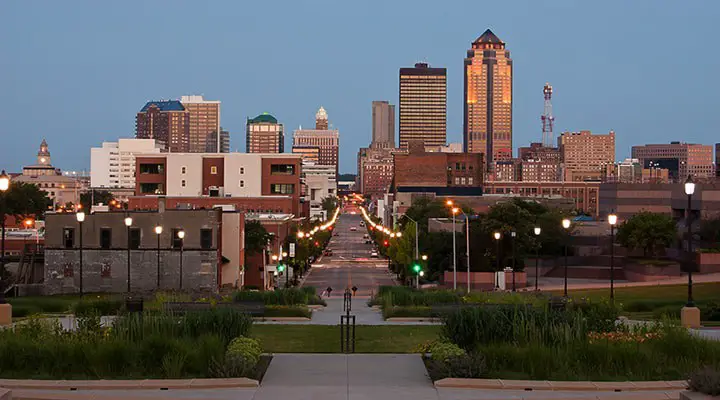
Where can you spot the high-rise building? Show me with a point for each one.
(540, 163)
(375, 167)
(166, 121)
(383, 124)
(487, 126)
(112, 166)
(327, 140)
(717, 160)
(586, 156)
(321, 119)
(204, 122)
(680, 159)
(423, 105)
(211, 146)
(264, 135)
(309, 154)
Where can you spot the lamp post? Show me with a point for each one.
(421, 273)
(287, 273)
(181, 236)
(512, 242)
(497, 237)
(450, 203)
(537, 232)
(128, 224)
(566, 225)
(4, 186)
(158, 232)
(689, 190)
(417, 233)
(612, 220)
(80, 216)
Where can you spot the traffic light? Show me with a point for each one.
(416, 266)
(281, 268)
(386, 244)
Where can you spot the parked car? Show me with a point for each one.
(353, 228)
(368, 241)
(362, 223)
(374, 253)
(366, 236)
(327, 252)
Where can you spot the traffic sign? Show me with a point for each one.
(292, 250)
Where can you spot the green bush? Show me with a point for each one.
(669, 311)
(241, 358)
(710, 312)
(287, 311)
(25, 310)
(405, 296)
(457, 366)
(442, 351)
(407, 312)
(706, 381)
(285, 297)
(98, 305)
(245, 347)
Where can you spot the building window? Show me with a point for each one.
(176, 241)
(134, 238)
(282, 188)
(151, 188)
(182, 183)
(69, 237)
(183, 170)
(105, 238)
(152, 169)
(470, 180)
(282, 169)
(242, 184)
(206, 238)
(213, 170)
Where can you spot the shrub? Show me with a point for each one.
(287, 311)
(711, 312)
(706, 381)
(599, 316)
(442, 351)
(99, 305)
(669, 311)
(290, 296)
(459, 366)
(245, 347)
(407, 312)
(41, 304)
(241, 358)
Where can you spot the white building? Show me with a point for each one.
(319, 182)
(112, 166)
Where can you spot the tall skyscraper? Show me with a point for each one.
(327, 140)
(383, 124)
(487, 125)
(212, 142)
(586, 156)
(168, 122)
(204, 122)
(264, 135)
(679, 158)
(423, 105)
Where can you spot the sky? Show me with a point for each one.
(76, 72)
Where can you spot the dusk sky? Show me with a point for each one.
(77, 72)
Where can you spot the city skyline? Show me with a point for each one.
(103, 83)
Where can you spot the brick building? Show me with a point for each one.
(585, 195)
(264, 134)
(212, 251)
(168, 122)
(680, 159)
(204, 124)
(539, 163)
(220, 175)
(325, 139)
(586, 156)
(506, 171)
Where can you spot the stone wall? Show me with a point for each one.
(106, 270)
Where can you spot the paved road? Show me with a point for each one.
(351, 263)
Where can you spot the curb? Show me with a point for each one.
(410, 319)
(145, 384)
(499, 384)
(281, 319)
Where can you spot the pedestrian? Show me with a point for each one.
(354, 290)
(328, 290)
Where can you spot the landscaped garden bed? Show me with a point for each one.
(204, 344)
(580, 343)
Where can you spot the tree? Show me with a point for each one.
(88, 199)
(329, 204)
(256, 237)
(648, 231)
(710, 231)
(24, 199)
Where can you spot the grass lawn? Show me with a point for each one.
(702, 292)
(326, 339)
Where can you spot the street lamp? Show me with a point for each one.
(128, 224)
(158, 232)
(537, 232)
(4, 186)
(512, 242)
(689, 190)
(399, 234)
(566, 225)
(80, 216)
(454, 212)
(181, 236)
(497, 237)
(612, 220)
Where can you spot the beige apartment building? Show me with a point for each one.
(586, 156)
(204, 123)
(264, 134)
(487, 126)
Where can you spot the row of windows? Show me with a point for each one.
(134, 238)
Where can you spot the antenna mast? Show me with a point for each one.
(548, 121)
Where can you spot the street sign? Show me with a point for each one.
(292, 249)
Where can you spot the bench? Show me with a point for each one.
(254, 308)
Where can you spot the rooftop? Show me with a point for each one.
(264, 117)
(488, 37)
(165, 105)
